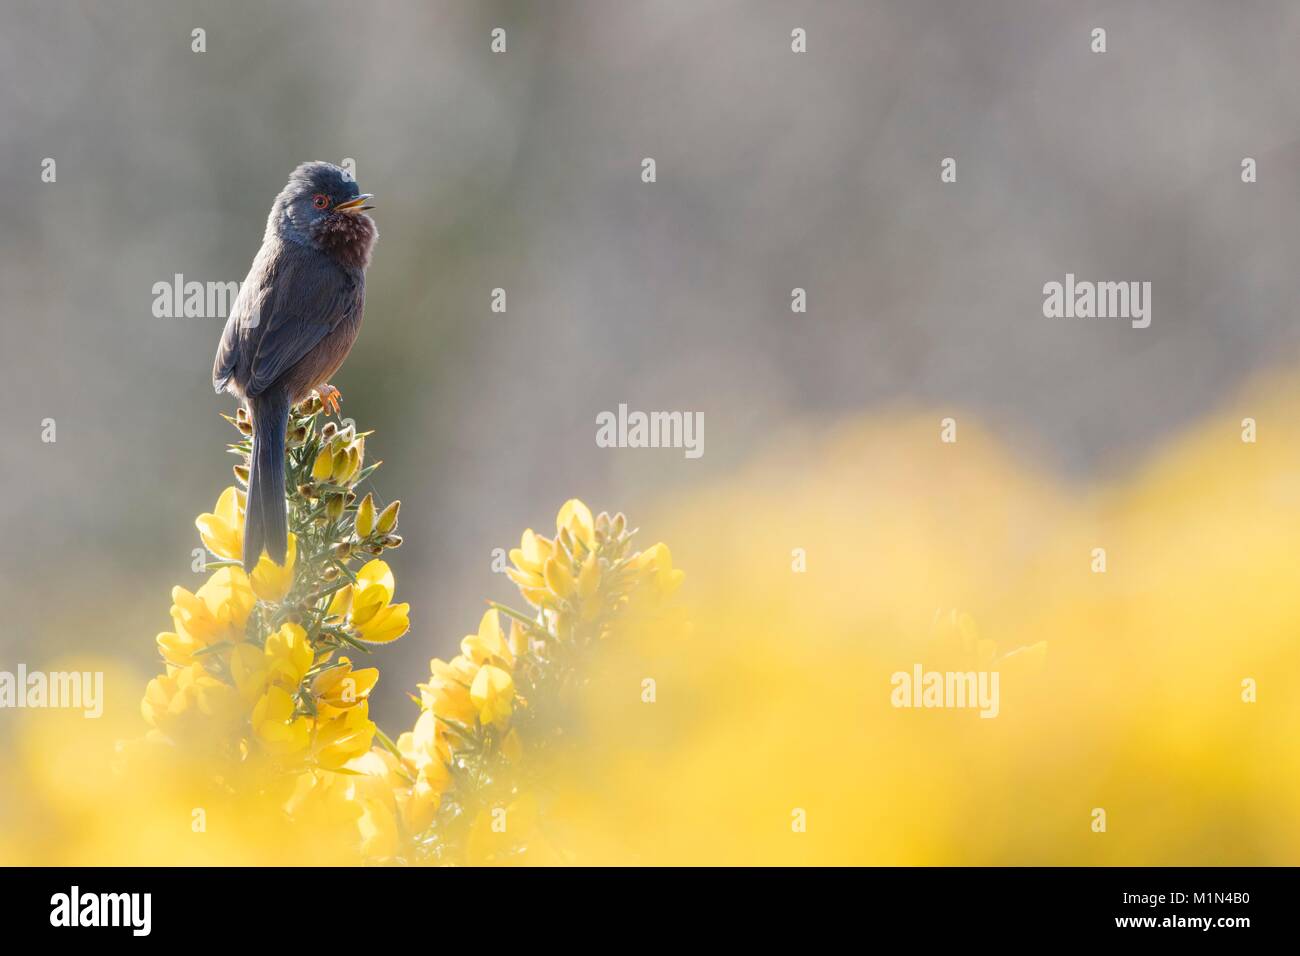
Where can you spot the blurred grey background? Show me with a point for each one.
(522, 171)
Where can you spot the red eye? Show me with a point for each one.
(320, 200)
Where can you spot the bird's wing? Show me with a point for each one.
(296, 302)
(227, 356)
(240, 334)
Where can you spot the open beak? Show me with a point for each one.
(355, 205)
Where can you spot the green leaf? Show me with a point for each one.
(392, 748)
(212, 649)
(351, 641)
(465, 731)
(522, 618)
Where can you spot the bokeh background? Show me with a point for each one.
(775, 170)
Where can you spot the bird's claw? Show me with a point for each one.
(330, 397)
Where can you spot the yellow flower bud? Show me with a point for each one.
(339, 469)
(387, 519)
(518, 639)
(323, 467)
(558, 578)
(589, 577)
(334, 507)
(575, 517)
(365, 521)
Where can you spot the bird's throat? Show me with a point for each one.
(346, 237)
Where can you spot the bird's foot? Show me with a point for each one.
(330, 397)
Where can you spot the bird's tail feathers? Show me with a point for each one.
(265, 520)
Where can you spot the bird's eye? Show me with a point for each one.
(320, 200)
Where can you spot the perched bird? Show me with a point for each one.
(291, 326)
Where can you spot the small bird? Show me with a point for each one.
(291, 326)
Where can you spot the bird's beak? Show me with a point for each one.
(355, 205)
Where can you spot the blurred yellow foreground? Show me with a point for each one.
(767, 735)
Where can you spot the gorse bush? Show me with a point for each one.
(262, 685)
(465, 778)
(260, 671)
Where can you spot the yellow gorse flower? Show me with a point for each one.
(447, 691)
(214, 615)
(277, 725)
(345, 735)
(530, 566)
(270, 581)
(222, 531)
(283, 662)
(367, 606)
(493, 693)
(182, 700)
(341, 687)
(488, 645)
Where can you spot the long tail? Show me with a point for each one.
(265, 522)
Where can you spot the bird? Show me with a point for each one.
(290, 328)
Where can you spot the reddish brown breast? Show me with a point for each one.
(347, 237)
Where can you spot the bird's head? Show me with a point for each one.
(322, 205)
